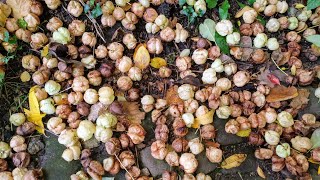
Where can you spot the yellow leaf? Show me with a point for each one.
(313, 162)
(158, 62)
(261, 173)
(45, 51)
(319, 170)
(299, 6)
(244, 133)
(203, 120)
(244, 9)
(33, 115)
(25, 76)
(233, 161)
(141, 57)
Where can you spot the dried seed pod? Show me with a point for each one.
(113, 146)
(180, 145)
(21, 159)
(127, 159)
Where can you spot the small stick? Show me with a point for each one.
(279, 67)
(123, 166)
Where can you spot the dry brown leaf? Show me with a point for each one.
(261, 173)
(172, 96)
(282, 93)
(141, 56)
(20, 8)
(233, 161)
(301, 100)
(244, 9)
(133, 112)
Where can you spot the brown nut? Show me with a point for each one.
(207, 131)
(26, 128)
(161, 132)
(258, 56)
(127, 159)
(214, 52)
(263, 153)
(150, 15)
(257, 28)
(137, 133)
(116, 108)
(113, 146)
(245, 29)
(179, 127)
(133, 94)
(256, 139)
(21, 159)
(180, 145)
(83, 109)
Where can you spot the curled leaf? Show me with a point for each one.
(282, 93)
(301, 100)
(141, 57)
(133, 113)
(233, 161)
(244, 9)
(260, 172)
(204, 119)
(207, 29)
(158, 62)
(244, 133)
(33, 115)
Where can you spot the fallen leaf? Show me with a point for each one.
(260, 172)
(301, 100)
(33, 115)
(133, 112)
(319, 170)
(120, 96)
(45, 51)
(96, 110)
(203, 120)
(224, 10)
(158, 62)
(5, 11)
(25, 76)
(185, 53)
(20, 8)
(233, 161)
(315, 39)
(141, 56)
(190, 80)
(244, 133)
(244, 9)
(282, 93)
(273, 79)
(313, 161)
(207, 29)
(299, 6)
(315, 139)
(222, 43)
(312, 4)
(172, 96)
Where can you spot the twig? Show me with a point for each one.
(123, 166)
(95, 24)
(279, 67)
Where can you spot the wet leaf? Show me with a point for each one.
(141, 57)
(203, 120)
(315, 39)
(172, 96)
(20, 8)
(260, 172)
(158, 62)
(133, 112)
(222, 43)
(301, 100)
(233, 161)
(190, 80)
(33, 115)
(207, 29)
(244, 133)
(312, 4)
(282, 93)
(244, 9)
(211, 3)
(224, 10)
(315, 138)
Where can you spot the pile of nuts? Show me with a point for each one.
(90, 90)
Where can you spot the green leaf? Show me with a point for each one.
(241, 5)
(13, 40)
(190, 13)
(312, 4)
(251, 2)
(207, 29)
(223, 10)
(2, 74)
(222, 43)
(91, 3)
(261, 20)
(6, 36)
(315, 39)
(7, 58)
(96, 12)
(22, 23)
(212, 3)
(182, 2)
(315, 138)
(86, 8)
